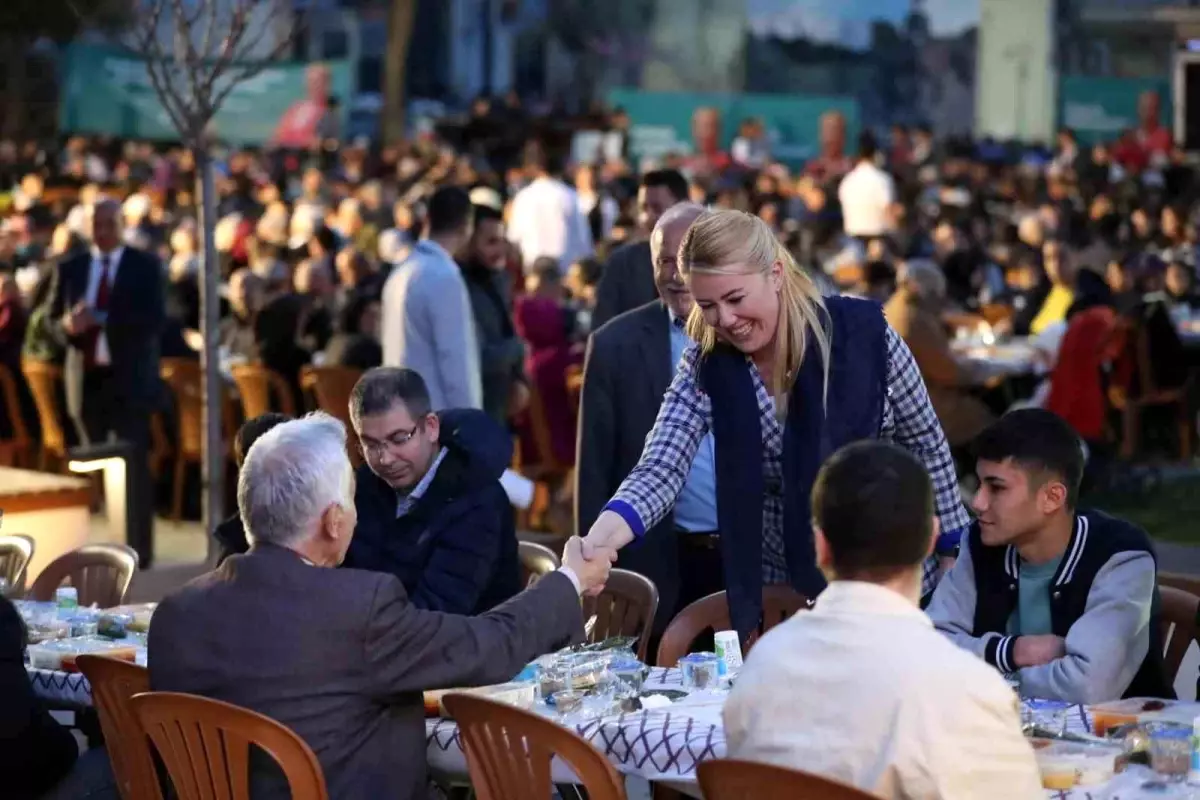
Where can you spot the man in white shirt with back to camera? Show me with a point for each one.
(862, 689)
(866, 195)
(545, 219)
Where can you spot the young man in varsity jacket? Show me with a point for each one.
(1065, 599)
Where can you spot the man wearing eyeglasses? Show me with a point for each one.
(431, 510)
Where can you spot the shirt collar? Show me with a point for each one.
(114, 255)
(406, 501)
(432, 248)
(860, 597)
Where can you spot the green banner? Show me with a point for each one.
(108, 91)
(1100, 109)
(661, 122)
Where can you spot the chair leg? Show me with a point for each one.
(177, 489)
(1185, 432)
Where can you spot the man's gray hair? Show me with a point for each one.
(292, 473)
(679, 214)
(924, 277)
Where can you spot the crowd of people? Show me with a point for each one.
(749, 371)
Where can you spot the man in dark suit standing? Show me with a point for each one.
(107, 308)
(340, 656)
(630, 362)
(627, 281)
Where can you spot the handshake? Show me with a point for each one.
(590, 563)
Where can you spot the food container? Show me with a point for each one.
(1170, 750)
(1064, 765)
(1141, 710)
(729, 650)
(115, 626)
(700, 671)
(83, 625)
(67, 600)
(567, 702)
(631, 673)
(60, 655)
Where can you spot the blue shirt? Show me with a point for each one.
(696, 506)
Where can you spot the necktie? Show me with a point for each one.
(103, 288)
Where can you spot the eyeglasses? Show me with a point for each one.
(393, 442)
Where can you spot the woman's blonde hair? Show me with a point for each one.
(737, 243)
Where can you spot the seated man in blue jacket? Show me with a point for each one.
(431, 510)
(1065, 599)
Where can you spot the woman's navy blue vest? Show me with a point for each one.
(812, 432)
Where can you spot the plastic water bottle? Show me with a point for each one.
(1193, 777)
(67, 600)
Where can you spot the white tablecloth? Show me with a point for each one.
(658, 745)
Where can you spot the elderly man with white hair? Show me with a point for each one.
(630, 362)
(914, 312)
(339, 655)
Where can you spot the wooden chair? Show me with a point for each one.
(731, 779)
(185, 379)
(1180, 626)
(1151, 396)
(712, 612)
(113, 684)
(44, 380)
(16, 551)
(16, 451)
(575, 385)
(509, 752)
(263, 390)
(101, 573)
(626, 607)
(536, 561)
(331, 387)
(547, 472)
(205, 745)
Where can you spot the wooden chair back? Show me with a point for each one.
(44, 379)
(256, 384)
(712, 613)
(626, 607)
(205, 746)
(543, 464)
(536, 560)
(183, 378)
(509, 752)
(731, 779)
(1180, 626)
(20, 446)
(113, 683)
(101, 574)
(331, 386)
(16, 551)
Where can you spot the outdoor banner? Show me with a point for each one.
(106, 90)
(1099, 109)
(661, 122)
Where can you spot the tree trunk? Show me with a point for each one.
(401, 16)
(212, 466)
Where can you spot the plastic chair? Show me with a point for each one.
(712, 613)
(16, 451)
(626, 607)
(331, 387)
(205, 746)
(509, 752)
(113, 684)
(731, 779)
(16, 551)
(1179, 626)
(101, 573)
(262, 390)
(44, 380)
(536, 560)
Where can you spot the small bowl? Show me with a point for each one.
(568, 701)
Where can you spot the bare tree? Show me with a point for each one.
(401, 17)
(196, 52)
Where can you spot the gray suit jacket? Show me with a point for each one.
(625, 376)
(626, 283)
(341, 658)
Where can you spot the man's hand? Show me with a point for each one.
(1037, 651)
(592, 573)
(608, 532)
(79, 320)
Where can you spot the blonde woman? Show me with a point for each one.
(783, 378)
